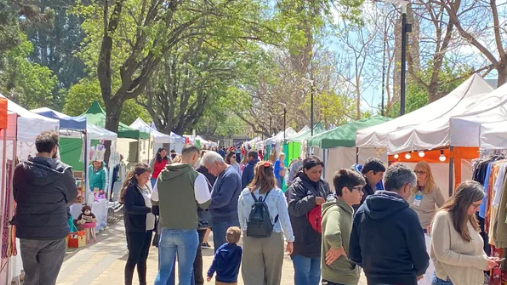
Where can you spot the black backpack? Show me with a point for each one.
(259, 222)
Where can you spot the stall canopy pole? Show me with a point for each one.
(451, 171)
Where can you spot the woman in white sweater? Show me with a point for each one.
(456, 245)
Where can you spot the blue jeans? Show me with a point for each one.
(279, 182)
(306, 270)
(180, 243)
(438, 281)
(220, 231)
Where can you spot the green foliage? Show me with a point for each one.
(29, 84)
(9, 28)
(56, 37)
(330, 108)
(82, 95)
(449, 78)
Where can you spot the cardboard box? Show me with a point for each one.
(77, 240)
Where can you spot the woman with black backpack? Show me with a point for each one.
(263, 215)
(307, 193)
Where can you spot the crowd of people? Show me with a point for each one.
(331, 235)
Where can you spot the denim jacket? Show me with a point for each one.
(277, 205)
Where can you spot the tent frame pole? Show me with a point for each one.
(451, 171)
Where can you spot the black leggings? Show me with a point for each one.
(139, 248)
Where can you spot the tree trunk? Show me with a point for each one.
(502, 74)
(113, 112)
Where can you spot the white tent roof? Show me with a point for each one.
(30, 125)
(376, 136)
(98, 133)
(436, 133)
(289, 132)
(483, 123)
(494, 135)
(159, 137)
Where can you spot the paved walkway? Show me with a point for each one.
(103, 262)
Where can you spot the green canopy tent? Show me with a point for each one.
(294, 142)
(339, 145)
(95, 115)
(345, 135)
(131, 150)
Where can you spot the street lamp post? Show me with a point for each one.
(405, 28)
(284, 117)
(311, 106)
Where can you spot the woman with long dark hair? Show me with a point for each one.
(158, 164)
(307, 193)
(263, 257)
(456, 244)
(139, 221)
(230, 159)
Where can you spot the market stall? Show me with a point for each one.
(77, 141)
(377, 136)
(10, 263)
(28, 126)
(296, 145)
(454, 143)
(339, 146)
(22, 129)
(131, 142)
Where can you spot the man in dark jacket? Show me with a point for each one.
(224, 196)
(308, 192)
(386, 239)
(43, 189)
(248, 172)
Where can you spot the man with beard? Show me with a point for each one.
(44, 188)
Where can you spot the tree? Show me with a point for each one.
(331, 109)
(24, 82)
(9, 28)
(83, 94)
(472, 20)
(450, 77)
(189, 81)
(135, 35)
(56, 37)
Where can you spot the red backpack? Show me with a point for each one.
(315, 218)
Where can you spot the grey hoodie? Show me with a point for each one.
(43, 190)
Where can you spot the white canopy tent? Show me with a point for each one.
(177, 142)
(289, 132)
(377, 136)
(436, 133)
(484, 125)
(29, 126)
(157, 136)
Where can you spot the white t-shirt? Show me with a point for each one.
(150, 218)
(201, 190)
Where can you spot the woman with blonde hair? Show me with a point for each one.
(456, 244)
(263, 256)
(426, 198)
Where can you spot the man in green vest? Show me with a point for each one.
(176, 192)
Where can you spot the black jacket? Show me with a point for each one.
(367, 190)
(248, 173)
(303, 192)
(134, 210)
(43, 189)
(387, 241)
